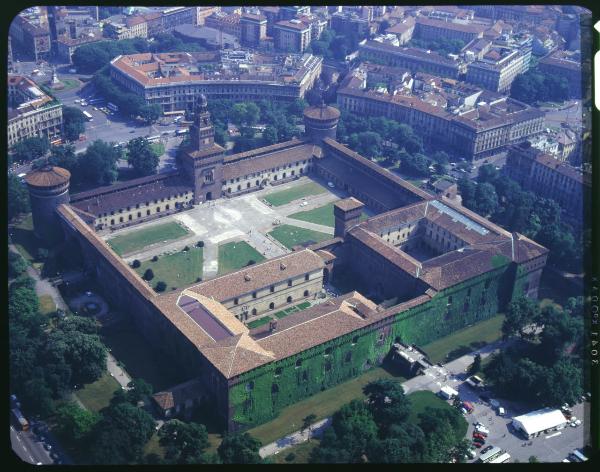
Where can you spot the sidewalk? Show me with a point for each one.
(315, 430)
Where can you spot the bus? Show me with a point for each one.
(112, 107)
(153, 139)
(95, 101)
(56, 141)
(490, 455)
(182, 131)
(174, 113)
(88, 115)
(501, 459)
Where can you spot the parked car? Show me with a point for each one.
(486, 449)
(479, 436)
(330, 184)
(478, 444)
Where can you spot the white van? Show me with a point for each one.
(501, 411)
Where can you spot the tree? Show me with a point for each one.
(476, 365)
(487, 173)
(138, 390)
(136, 263)
(563, 383)
(150, 113)
(75, 422)
(416, 164)
(148, 275)
(22, 303)
(16, 264)
(387, 402)
(64, 156)
(30, 149)
(142, 157)
(532, 460)
(269, 136)
(18, 197)
(307, 422)
(354, 428)
(160, 286)
(520, 314)
(486, 199)
(239, 448)
(185, 443)
(73, 123)
(99, 163)
(119, 437)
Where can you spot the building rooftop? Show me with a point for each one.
(48, 176)
(322, 113)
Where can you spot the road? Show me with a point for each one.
(30, 448)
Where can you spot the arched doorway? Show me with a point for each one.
(208, 196)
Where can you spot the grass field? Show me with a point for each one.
(286, 196)
(485, 331)
(137, 240)
(301, 453)
(235, 255)
(421, 400)
(292, 309)
(23, 238)
(176, 270)
(47, 304)
(97, 395)
(291, 236)
(140, 359)
(322, 404)
(69, 84)
(322, 215)
(260, 322)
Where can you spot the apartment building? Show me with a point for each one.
(253, 29)
(498, 68)
(291, 35)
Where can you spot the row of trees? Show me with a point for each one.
(333, 46)
(536, 86)
(546, 368)
(503, 200)
(380, 430)
(89, 58)
(47, 359)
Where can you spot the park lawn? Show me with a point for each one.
(23, 238)
(139, 239)
(292, 309)
(47, 304)
(423, 399)
(301, 452)
(322, 215)
(139, 358)
(486, 331)
(235, 255)
(291, 236)
(153, 446)
(284, 197)
(260, 322)
(158, 148)
(69, 84)
(176, 270)
(98, 394)
(322, 404)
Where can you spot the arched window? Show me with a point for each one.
(248, 185)
(167, 207)
(289, 299)
(147, 212)
(274, 388)
(239, 187)
(157, 209)
(253, 311)
(271, 305)
(298, 362)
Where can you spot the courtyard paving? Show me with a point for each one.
(245, 218)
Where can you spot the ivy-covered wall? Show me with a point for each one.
(259, 395)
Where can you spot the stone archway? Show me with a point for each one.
(208, 196)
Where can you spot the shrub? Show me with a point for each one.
(149, 274)
(135, 264)
(42, 254)
(185, 249)
(155, 258)
(160, 286)
(290, 457)
(200, 244)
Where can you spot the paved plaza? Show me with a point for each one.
(245, 218)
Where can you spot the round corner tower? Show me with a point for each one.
(48, 188)
(321, 122)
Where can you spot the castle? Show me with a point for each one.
(438, 266)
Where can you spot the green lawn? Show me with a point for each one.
(47, 304)
(465, 339)
(22, 236)
(153, 447)
(235, 255)
(69, 84)
(158, 148)
(291, 236)
(423, 399)
(286, 196)
(176, 270)
(300, 451)
(260, 322)
(322, 404)
(141, 360)
(322, 215)
(292, 309)
(137, 240)
(97, 395)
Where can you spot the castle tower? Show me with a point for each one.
(203, 160)
(321, 122)
(48, 188)
(347, 214)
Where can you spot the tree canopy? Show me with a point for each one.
(73, 123)
(30, 149)
(534, 85)
(18, 197)
(99, 163)
(142, 157)
(185, 443)
(239, 448)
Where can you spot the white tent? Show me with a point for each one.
(539, 420)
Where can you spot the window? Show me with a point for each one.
(289, 299)
(278, 371)
(328, 351)
(121, 219)
(112, 222)
(253, 311)
(274, 388)
(290, 283)
(348, 357)
(139, 214)
(250, 386)
(449, 300)
(235, 301)
(354, 340)
(147, 212)
(306, 293)
(305, 376)
(253, 294)
(298, 363)
(272, 288)
(271, 305)
(306, 277)
(167, 207)
(130, 217)
(239, 187)
(157, 209)
(137, 206)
